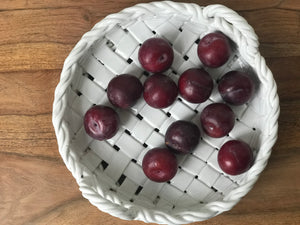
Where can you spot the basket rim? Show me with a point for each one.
(110, 203)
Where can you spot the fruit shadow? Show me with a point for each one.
(252, 137)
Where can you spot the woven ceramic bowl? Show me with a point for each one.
(109, 173)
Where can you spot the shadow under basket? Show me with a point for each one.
(109, 173)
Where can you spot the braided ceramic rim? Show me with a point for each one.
(230, 23)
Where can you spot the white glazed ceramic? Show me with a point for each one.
(109, 173)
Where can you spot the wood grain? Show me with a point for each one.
(28, 86)
(106, 6)
(33, 56)
(30, 135)
(267, 22)
(40, 25)
(290, 4)
(35, 186)
(31, 187)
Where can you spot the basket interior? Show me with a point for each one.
(118, 160)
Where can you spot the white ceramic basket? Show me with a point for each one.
(109, 173)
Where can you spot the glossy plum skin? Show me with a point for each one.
(214, 49)
(156, 55)
(160, 164)
(160, 91)
(195, 85)
(217, 120)
(124, 90)
(182, 136)
(236, 88)
(235, 157)
(101, 122)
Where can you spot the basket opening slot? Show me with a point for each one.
(138, 190)
(121, 180)
(104, 164)
(139, 116)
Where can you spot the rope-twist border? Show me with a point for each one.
(231, 24)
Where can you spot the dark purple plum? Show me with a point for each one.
(124, 90)
(195, 85)
(160, 164)
(101, 122)
(235, 157)
(182, 136)
(160, 91)
(156, 55)
(217, 120)
(214, 49)
(236, 88)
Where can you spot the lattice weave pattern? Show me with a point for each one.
(109, 172)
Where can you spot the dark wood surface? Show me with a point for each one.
(35, 38)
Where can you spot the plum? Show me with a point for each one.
(160, 91)
(182, 136)
(214, 49)
(195, 85)
(217, 120)
(101, 122)
(156, 55)
(124, 90)
(235, 157)
(160, 164)
(236, 87)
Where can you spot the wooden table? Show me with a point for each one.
(36, 187)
